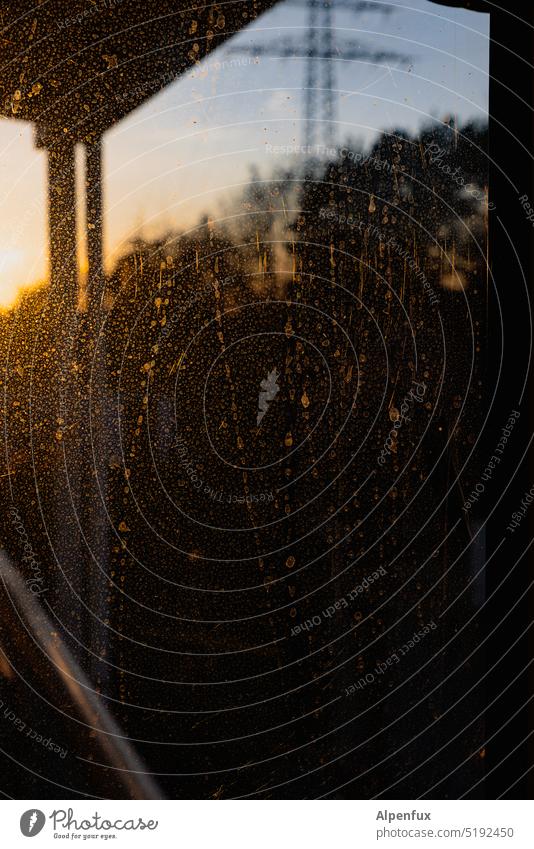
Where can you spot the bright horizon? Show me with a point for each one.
(188, 148)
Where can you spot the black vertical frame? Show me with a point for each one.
(510, 386)
(509, 608)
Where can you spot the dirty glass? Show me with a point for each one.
(244, 277)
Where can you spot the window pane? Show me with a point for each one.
(246, 469)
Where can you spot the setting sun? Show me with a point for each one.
(12, 266)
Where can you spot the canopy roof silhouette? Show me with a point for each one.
(75, 68)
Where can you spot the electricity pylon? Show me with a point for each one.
(320, 52)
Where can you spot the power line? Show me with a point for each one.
(320, 52)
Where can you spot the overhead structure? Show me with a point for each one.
(74, 69)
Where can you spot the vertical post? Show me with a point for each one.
(93, 200)
(62, 223)
(98, 404)
(58, 407)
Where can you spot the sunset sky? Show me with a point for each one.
(183, 151)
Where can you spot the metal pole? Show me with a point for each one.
(62, 224)
(93, 200)
(98, 427)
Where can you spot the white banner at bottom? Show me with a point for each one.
(272, 824)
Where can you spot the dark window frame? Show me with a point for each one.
(510, 606)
